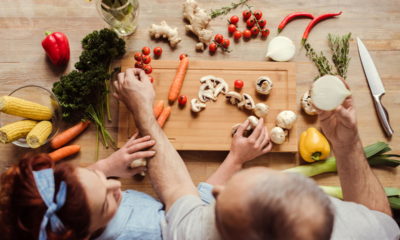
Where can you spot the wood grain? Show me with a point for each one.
(210, 129)
(23, 62)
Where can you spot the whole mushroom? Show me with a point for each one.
(253, 122)
(264, 85)
(261, 110)
(286, 119)
(196, 105)
(278, 135)
(306, 104)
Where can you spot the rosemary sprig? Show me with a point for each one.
(319, 59)
(225, 10)
(340, 52)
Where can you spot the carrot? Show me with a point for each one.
(177, 83)
(164, 116)
(64, 152)
(158, 108)
(69, 134)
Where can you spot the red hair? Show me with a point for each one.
(22, 208)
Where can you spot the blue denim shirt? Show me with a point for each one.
(140, 216)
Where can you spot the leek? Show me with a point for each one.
(392, 193)
(374, 154)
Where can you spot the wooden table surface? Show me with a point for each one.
(23, 61)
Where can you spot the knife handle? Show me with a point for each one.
(383, 115)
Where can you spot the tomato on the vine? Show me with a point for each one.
(257, 14)
(226, 43)
(182, 56)
(239, 84)
(262, 22)
(182, 100)
(250, 22)
(212, 47)
(157, 51)
(254, 31)
(237, 35)
(138, 56)
(146, 50)
(138, 65)
(147, 69)
(265, 33)
(246, 33)
(246, 14)
(234, 19)
(218, 38)
(146, 59)
(231, 28)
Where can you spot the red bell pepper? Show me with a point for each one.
(56, 46)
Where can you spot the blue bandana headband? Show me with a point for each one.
(44, 180)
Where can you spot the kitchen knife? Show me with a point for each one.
(375, 85)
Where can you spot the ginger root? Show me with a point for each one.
(198, 19)
(165, 31)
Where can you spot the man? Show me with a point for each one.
(259, 203)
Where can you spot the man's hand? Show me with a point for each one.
(244, 149)
(134, 88)
(117, 164)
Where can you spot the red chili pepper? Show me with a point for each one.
(292, 16)
(315, 21)
(57, 47)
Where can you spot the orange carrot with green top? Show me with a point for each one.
(158, 108)
(69, 134)
(164, 116)
(64, 152)
(177, 83)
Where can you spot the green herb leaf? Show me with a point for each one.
(225, 10)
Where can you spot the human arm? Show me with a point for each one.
(243, 149)
(168, 173)
(118, 163)
(357, 180)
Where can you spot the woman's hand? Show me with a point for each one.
(244, 149)
(118, 163)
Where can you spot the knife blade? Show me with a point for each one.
(375, 85)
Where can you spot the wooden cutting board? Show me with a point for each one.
(210, 129)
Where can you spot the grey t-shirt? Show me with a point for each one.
(193, 218)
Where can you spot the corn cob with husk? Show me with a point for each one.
(23, 108)
(39, 134)
(16, 130)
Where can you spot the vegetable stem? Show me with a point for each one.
(225, 10)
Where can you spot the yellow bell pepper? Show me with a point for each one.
(313, 145)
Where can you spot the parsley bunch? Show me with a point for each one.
(83, 93)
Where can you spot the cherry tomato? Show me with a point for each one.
(182, 56)
(146, 50)
(250, 22)
(138, 56)
(254, 31)
(231, 28)
(262, 22)
(151, 79)
(219, 38)
(147, 69)
(239, 84)
(182, 100)
(265, 33)
(257, 14)
(146, 59)
(157, 51)
(212, 47)
(246, 33)
(234, 19)
(246, 14)
(138, 65)
(237, 35)
(226, 43)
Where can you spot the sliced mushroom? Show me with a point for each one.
(264, 85)
(278, 135)
(306, 104)
(206, 95)
(247, 102)
(220, 87)
(197, 106)
(235, 128)
(138, 163)
(286, 119)
(209, 80)
(233, 97)
(261, 110)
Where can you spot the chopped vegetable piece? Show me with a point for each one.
(23, 108)
(158, 108)
(177, 83)
(281, 49)
(164, 116)
(16, 130)
(39, 134)
(66, 136)
(328, 92)
(64, 152)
